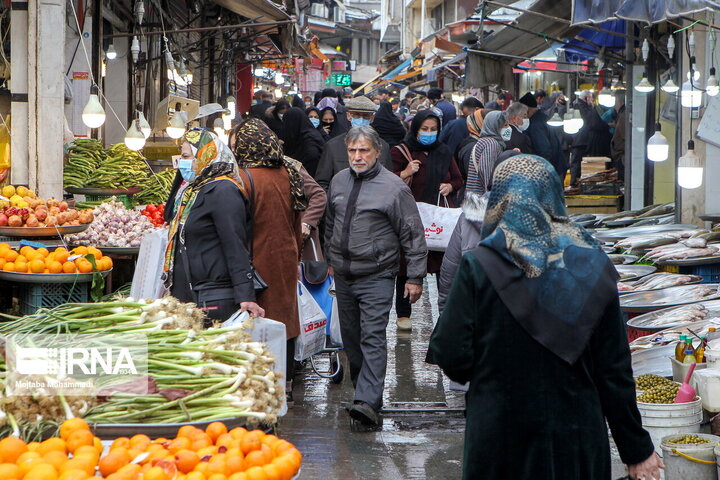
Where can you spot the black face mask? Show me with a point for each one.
(327, 124)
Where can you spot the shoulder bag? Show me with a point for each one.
(406, 153)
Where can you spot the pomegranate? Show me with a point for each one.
(15, 221)
(3, 220)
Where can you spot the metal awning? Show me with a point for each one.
(456, 59)
(260, 10)
(649, 11)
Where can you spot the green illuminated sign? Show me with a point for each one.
(339, 79)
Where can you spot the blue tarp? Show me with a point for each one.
(607, 40)
(649, 11)
(396, 71)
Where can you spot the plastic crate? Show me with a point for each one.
(49, 295)
(126, 200)
(709, 273)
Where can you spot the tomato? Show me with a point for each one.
(151, 208)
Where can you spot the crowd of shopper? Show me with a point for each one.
(338, 177)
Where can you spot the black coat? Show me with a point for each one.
(215, 237)
(334, 159)
(594, 136)
(519, 140)
(258, 110)
(530, 414)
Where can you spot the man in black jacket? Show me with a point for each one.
(545, 139)
(258, 110)
(371, 219)
(517, 115)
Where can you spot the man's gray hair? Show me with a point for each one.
(516, 109)
(366, 132)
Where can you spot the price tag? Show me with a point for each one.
(4, 198)
(72, 258)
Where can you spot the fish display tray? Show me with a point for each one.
(691, 262)
(39, 232)
(643, 302)
(614, 235)
(608, 250)
(50, 277)
(621, 259)
(640, 322)
(637, 271)
(710, 217)
(656, 289)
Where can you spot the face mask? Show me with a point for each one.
(255, 102)
(186, 170)
(506, 133)
(315, 122)
(360, 122)
(308, 104)
(280, 115)
(327, 124)
(526, 123)
(427, 138)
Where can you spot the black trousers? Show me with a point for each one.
(403, 308)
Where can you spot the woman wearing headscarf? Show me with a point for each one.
(275, 189)
(464, 149)
(533, 313)
(428, 167)
(495, 132)
(207, 261)
(388, 125)
(301, 140)
(274, 117)
(297, 101)
(330, 127)
(314, 115)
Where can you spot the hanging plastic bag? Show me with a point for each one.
(312, 325)
(439, 223)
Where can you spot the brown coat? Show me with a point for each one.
(276, 244)
(316, 209)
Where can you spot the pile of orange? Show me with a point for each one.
(41, 260)
(211, 454)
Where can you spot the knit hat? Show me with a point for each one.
(529, 100)
(361, 104)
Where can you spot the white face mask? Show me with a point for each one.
(524, 125)
(506, 133)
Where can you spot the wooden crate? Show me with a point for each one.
(593, 204)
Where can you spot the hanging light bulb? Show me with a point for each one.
(670, 86)
(93, 115)
(135, 49)
(278, 93)
(279, 78)
(555, 120)
(690, 172)
(293, 90)
(219, 128)
(144, 125)
(644, 86)
(259, 72)
(111, 53)
(176, 126)
(645, 50)
(696, 74)
(657, 146)
(671, 46)
(606, 98)
(232, 106)
(711, 87)
(139, 11)
(227, 120)
(189, 76)
(182, 70)
(690, 96)
(169, 60)
(134, 138)
(691, 43)
(570, 126)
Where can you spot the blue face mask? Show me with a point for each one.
(359, 122)
(186, 170)
(427, 138)
(315, 122)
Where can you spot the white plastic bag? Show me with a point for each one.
(272, 334)
(312, 325)
(335, 335)
(439, 223)
(147, 279)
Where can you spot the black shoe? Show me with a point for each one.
(364, 413)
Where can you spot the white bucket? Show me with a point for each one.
(662, 420)
(708, 387)
(684, 462)
(712, 359)
(681, 369)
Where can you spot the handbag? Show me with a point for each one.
(258, 283)
(439, 223)
(406, 153)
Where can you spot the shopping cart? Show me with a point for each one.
(315, 275)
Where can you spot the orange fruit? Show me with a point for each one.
(179, 443)
(281, 446)
(33, 446)
(55, 458)
(21, 259)
(79, 438)
(201, 443)
(95, 253)
(51, 445)
(155, 473)
(43, 251)
(272, 472)
(140, 441)
(123, 442)
(195, 476)
(215, 429)
(114, 461)
(238, 432)
(61, 256)
(24, 250)
(80, 250)
(186, 431)
(204, 452)
(235, 463)
(238, 476)
(255, 458)
(43, 471)
(29, 460)
(270, 440)
(87, 451)
(55, 267)
(84, 464)
(255, 473)
(10, 471)
(186, 460)
(72, 425)
(217, 476)
(36, 266)
(286, 467)
(68, 267)
(21, 267)
(84, 265)
(131, 469)
(11, 255)
(9, 267)
(73, 475)
(250, 442)
(11, 448)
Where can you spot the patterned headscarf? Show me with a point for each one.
(257, 146)
(213, 162)
(475, 123)
(493, 123)
(565, 281)
(328, 102)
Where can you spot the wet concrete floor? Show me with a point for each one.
(409, 445)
